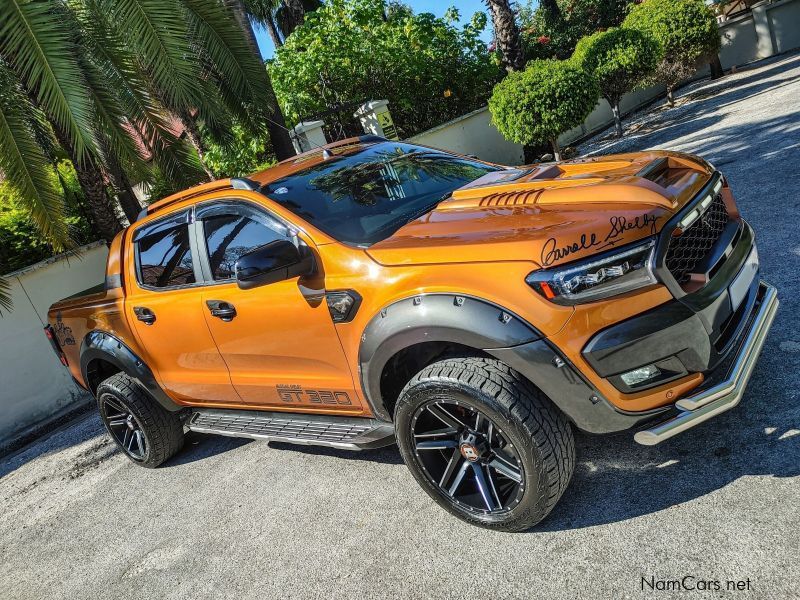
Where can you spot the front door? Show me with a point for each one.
(278, 340)
(164, 303)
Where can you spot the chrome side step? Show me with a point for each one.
(723, 396)
(351, 433)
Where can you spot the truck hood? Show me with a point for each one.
(550, 214)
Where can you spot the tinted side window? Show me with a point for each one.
(165, 259)
(228, 237)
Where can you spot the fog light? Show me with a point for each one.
(640, 375)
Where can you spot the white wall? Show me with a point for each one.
(473, 133)
(34, 385)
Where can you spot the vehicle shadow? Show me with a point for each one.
(389, 455)
(200, 446)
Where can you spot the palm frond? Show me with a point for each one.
(148, 119)
(222, 42)
(261, 10)
(112, 124)
(37, 44)
(157, 33)
(26, 166)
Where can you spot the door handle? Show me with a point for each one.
(221, 309)
(145, 315)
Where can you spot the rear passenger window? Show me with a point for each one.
(164, 258)
(229, 236)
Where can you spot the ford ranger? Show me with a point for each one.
(375, 292)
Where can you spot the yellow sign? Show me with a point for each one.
(386, 123)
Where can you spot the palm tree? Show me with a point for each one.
(280, 17)
(276, 122)
(99, 78)
(507, 34)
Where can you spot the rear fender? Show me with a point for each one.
(99, 345)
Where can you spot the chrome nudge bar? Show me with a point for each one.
(726, 394)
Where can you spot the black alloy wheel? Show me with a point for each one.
(145, 431)
(466, 454)
(124, 427)
(484, 443)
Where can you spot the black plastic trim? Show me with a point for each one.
(113, 281)
(104, 346)
(452, 318)
(568, 389)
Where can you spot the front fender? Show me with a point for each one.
(455, 318)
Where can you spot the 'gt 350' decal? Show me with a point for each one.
(296, 394)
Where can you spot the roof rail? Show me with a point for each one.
(243, 183)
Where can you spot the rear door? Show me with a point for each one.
(164, 302)
(278, 340)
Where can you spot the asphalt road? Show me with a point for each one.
(229, 518)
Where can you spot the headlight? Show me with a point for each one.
(599, 277)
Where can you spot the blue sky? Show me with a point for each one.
(437, 7)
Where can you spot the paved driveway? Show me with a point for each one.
(230, 518)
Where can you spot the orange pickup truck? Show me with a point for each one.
(374, 292)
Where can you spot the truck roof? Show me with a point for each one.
(282, 169)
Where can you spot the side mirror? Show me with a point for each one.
(276, 261)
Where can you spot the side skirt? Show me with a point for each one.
(317, 430)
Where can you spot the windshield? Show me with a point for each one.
(364, 197)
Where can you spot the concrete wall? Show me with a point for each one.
(739, 42)
(33, 385)
(771, 28)
(473, 134)
(784, 24)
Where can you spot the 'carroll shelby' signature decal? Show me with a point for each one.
(552, 251)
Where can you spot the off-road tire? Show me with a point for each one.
(540, 433)
(162, 429)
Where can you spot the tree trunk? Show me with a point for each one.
(556, 148)
(507, 34)
(276, 124)
(295, 15)
(123, 189)
(272, 29)
(670, 97)
(94, 188)
(193, 133)
(617, 119)
(716, 67)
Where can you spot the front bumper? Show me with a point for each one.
(722, 393)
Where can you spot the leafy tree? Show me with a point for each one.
(620, 59)
(552, 29)
(687, 32)
(21, 244)
(506, 32)
(542, 102)
(245, 154)
(350, 51)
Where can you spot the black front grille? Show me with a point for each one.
(688, 249)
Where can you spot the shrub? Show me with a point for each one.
(542, 102)
(687, 32)
(620, 59)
